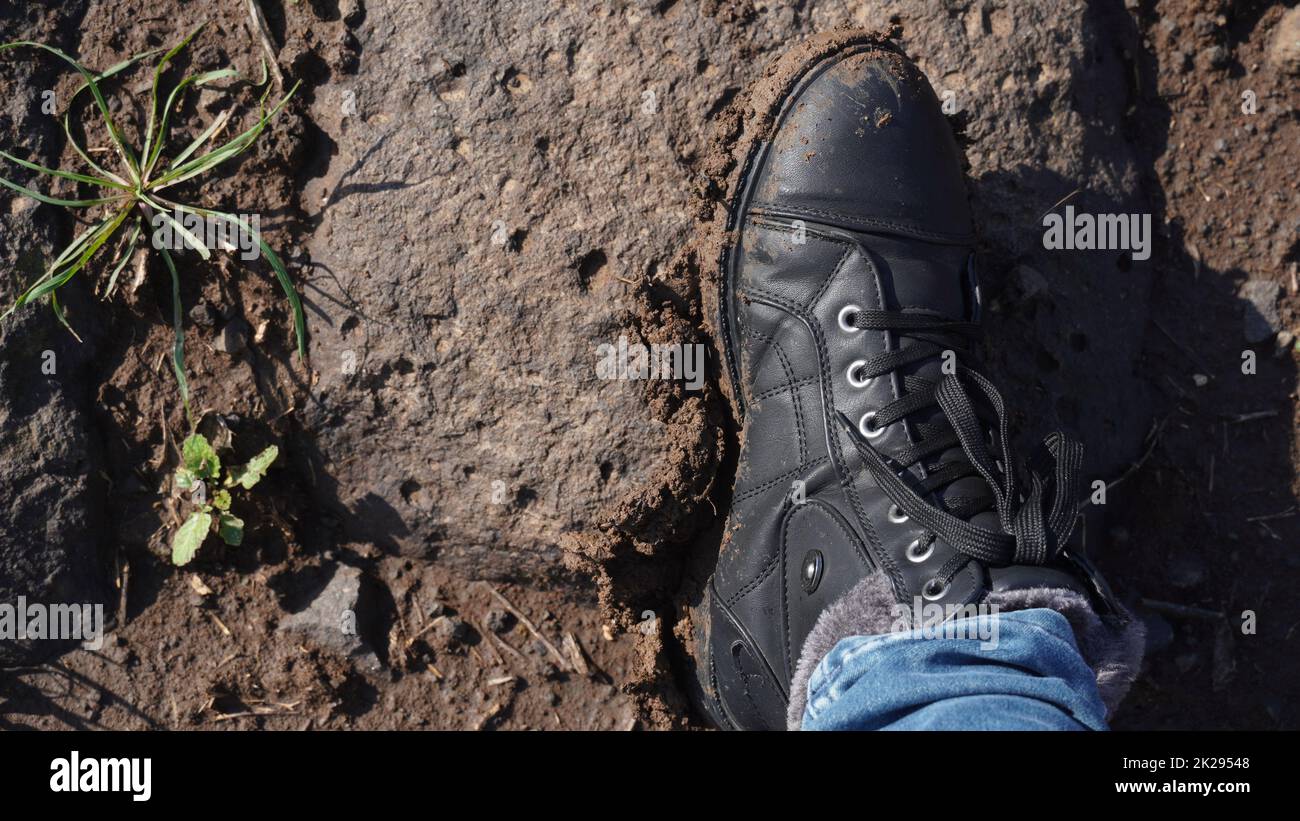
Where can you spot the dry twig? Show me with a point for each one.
(532, 628)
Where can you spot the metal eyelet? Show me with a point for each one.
(853, 369)
(866, 428)
(915, 554)
(810, 575)
(934, 589)
(846, 313)
(896, 515)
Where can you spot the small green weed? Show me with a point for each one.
(199, 473)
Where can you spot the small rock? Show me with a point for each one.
(1032, 283)
(1284, 342)
(1284, 51)
(352, 12)
(233, 337)
(202, 315)
(1220, 146)
(499, 620)
(1215, 56)
(331, 619)
(449, 631)
(1262, 318)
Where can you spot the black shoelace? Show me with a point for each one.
(1036, 523)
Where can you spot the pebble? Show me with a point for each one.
(1285, 340)
(331, 620)
(202, 315)
(233, 337)
(1262, 318)
(499, 620)
(450, 631)
(1284, 50)
(1032, 282)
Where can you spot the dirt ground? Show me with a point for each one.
(585, 630)
(182, 659)
(1221, 480)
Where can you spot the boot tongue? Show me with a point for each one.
(923, 277)
(919, 276)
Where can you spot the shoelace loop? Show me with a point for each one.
(1035, 524)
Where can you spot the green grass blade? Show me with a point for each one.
(118, 140)
(39, 197)
(77, 245)
(51, 285)
(193, 241)
(281, 273)
(55, 278)
(291, 293)
(67, 175)
(116, 69)
(198, 142)
(236, 146)
(67, 129)
(153, 92)
(59, 315)
(196, 81)
(178, 345)
(68, 253)
(126, 257)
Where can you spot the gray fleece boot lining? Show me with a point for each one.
(869, 608)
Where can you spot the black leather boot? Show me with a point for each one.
(875, 456)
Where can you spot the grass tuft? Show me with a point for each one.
(134, 194)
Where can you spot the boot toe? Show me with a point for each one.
(864, 145)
